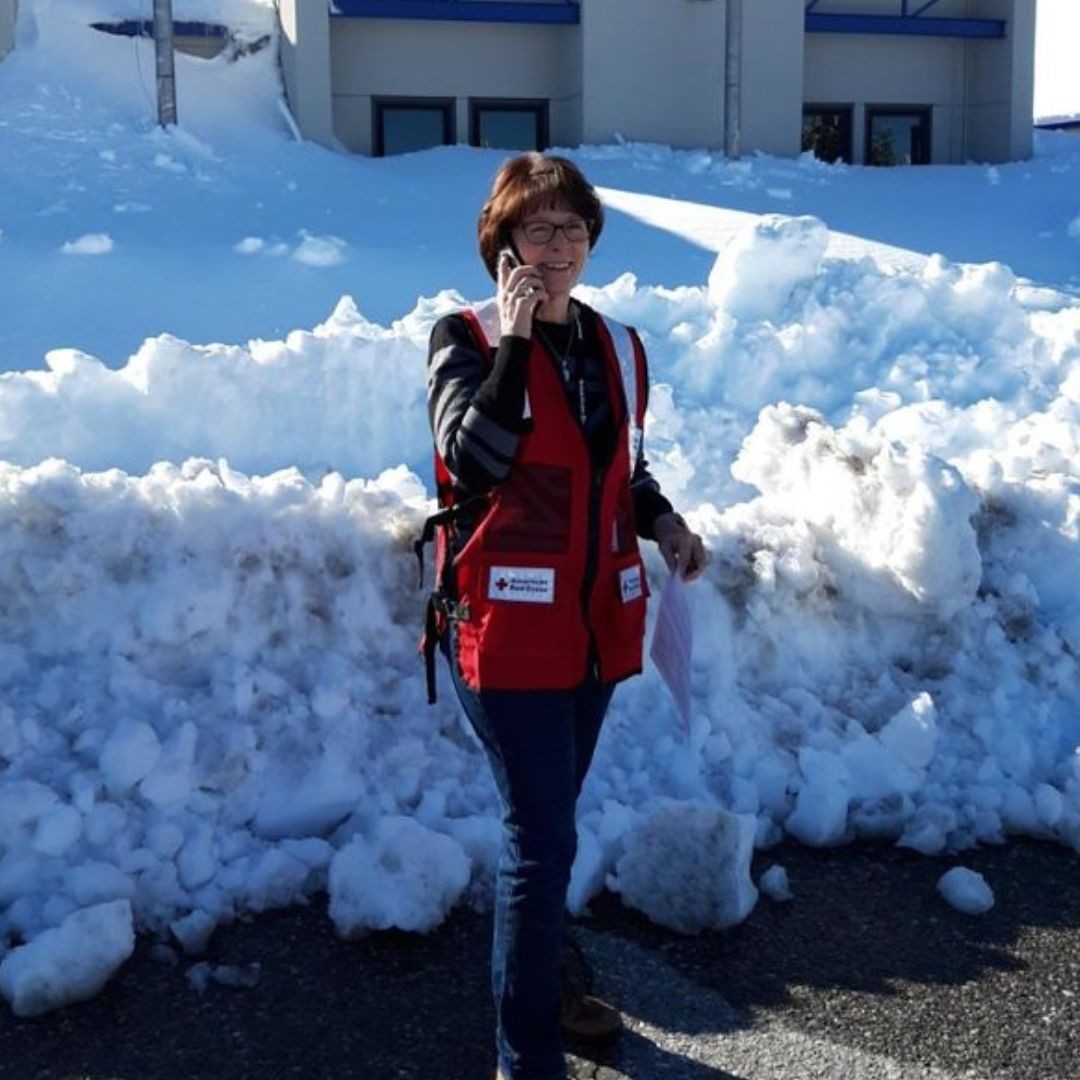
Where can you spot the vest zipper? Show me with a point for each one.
(596, 491)
(592, 557)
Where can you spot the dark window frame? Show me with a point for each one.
(926, 112)
(448, 107)
(847, 113)
(541, 107)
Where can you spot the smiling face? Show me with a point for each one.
(532, 188)
(561, 256)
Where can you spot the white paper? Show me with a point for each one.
(672, 644)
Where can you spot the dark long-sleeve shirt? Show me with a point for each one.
(477, 411)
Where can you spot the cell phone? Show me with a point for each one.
(509, 256)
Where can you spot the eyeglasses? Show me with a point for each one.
(542, 232)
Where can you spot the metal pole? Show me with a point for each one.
(733, 80)
(163, 58)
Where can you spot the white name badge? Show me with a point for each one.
(522, 584)
(630, 583)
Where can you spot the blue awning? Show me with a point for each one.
(555, 12)
(915, 25)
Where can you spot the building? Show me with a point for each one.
(876, 81)
(7, 26)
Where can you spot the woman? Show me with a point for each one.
(537, 406)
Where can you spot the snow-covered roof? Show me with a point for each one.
(1058, 120)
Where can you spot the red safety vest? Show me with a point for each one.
(532, 606)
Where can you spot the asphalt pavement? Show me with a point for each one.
(866, 975)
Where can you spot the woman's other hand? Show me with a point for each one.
(521, 292)
(682, 549)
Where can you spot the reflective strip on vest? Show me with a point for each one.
(487, 315)
(628, 364)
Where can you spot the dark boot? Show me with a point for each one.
(582, 1015)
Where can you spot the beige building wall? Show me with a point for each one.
(1001, 85)
(653, 71)
(951, 9)
(867, 70)
(372, 58)
(979, 91)
(773, 51)
(305, 50)
(7, 26)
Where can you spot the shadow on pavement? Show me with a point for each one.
(868, 953)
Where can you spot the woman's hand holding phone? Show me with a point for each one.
(521, 291)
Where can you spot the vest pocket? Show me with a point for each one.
(525, 629)
(626, 593)
(532, 511)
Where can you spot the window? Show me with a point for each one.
(508, 124)
(897, 136)
(406, 124)
(826, 129)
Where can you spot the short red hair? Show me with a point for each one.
(529, 182)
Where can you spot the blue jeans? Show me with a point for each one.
(539, 744)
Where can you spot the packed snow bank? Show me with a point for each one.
(347, 395)
(209, 694)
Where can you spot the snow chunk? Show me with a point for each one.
(774, 884)
(129, 754)
(69, 963)
(755, 276)
(23, 803)
(194, 931)
(911, 735)
(90, 244)
(245, 977)
(310, 806)
(966, 890)
(687, 867)
(405, 876)
(58, 830)
(95, 883)
(820, 814)
(170, 780)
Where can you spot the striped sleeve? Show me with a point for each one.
(475, 411)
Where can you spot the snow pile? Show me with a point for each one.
(966, 890)
(347, 396)
(210, 696)
(210, 701)
(193, 670)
